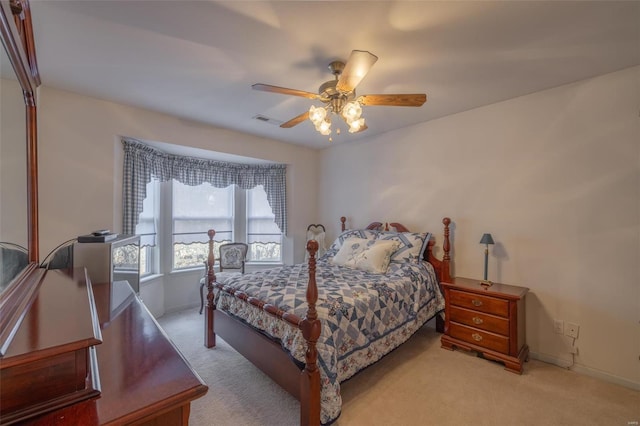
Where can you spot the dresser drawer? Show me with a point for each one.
(479, 337)
(478, 302)
(480, 320)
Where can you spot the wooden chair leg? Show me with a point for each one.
(201, 296)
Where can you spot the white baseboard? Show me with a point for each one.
(587, 371)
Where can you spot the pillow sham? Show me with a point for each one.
(411, 245)
(351, 233)
(366, 255)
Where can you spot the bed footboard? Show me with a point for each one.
(253, 345)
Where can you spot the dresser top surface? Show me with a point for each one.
(49, 326)
(496, 289)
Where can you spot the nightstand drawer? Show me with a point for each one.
(480, 303)
(479, 320)
(478, 337)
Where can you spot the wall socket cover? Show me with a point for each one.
(572, 330)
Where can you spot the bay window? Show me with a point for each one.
(147, 229)
(195, 210)
(263, 236)
(190, 211)
(172, 201)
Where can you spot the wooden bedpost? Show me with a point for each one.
(446, 247)
(445, 266)
(310, 328)
(209, 334)
(342, 223)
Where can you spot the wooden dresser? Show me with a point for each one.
(51, 360)
(141, 377)
(488, 320)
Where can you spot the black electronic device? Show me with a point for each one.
(93, 238)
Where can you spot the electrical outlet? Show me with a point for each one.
(558, 326)
(572, 330)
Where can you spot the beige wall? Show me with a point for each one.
(554, 177)
(80, 171)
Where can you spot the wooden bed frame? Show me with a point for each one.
(267, 354)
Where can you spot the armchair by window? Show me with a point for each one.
(233, 256)
(232, 259)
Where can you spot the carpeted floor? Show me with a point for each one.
(417, 384)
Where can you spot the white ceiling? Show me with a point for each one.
(198, 59)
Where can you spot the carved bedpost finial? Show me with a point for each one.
(312, 288)
(342, 223)
(446, 247)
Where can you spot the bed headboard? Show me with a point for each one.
(442, 267)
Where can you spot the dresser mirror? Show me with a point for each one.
(14, 237)
(19, 272)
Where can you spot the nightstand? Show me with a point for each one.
(487, 320)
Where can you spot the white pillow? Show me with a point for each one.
(361, 254)
(350, 248)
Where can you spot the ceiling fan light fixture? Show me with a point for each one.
(324, 127)
(339, 96)
(317, 115)
(356, 125)
(351, 111)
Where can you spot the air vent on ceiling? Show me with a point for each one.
(268, 120)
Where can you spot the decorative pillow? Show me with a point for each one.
(361, 254)
(350, 248)
(357, 233)
(411, 245)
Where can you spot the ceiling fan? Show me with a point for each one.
(339, 95)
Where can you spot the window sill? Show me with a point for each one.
(199, 269)
(151, 277)
(248, 266)
(261, 264)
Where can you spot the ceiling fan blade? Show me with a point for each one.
(296, 120)
(407, 99)
(356, 68)
(284, 90)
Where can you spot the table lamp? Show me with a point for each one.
(486, 240)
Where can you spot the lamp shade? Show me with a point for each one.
(486, 239)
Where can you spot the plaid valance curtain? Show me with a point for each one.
(143, 163)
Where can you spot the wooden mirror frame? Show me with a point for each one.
(16, 33)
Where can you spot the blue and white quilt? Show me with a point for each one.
(364, 315)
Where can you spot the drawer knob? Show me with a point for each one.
(476, 337)
(477, 320)
(476, 302)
